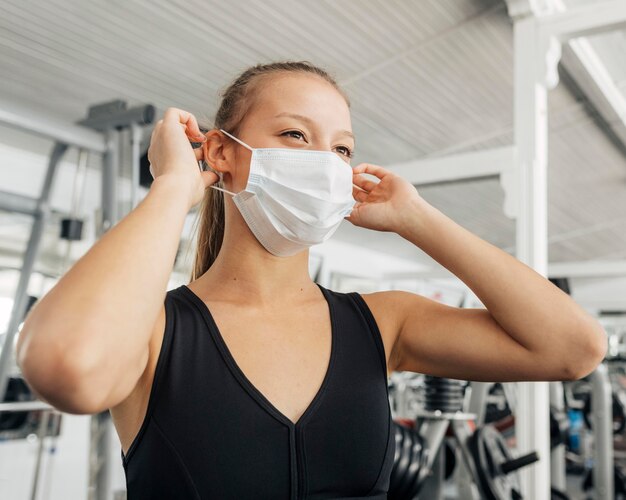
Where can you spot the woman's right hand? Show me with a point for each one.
(172, 157)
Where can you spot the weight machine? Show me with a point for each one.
(484, 466)
(99, 132)
(431, 412)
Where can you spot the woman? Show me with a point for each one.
(252, 381)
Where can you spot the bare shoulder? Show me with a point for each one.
(389, 310)
(391, 307)
(128, 415)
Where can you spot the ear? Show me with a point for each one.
(214, 152)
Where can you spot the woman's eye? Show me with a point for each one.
(345, 151)
(294, 133)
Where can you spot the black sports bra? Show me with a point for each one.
(209, 433)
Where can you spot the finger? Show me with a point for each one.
(186, 118)
(354, 214)
(363, 183)
(368, 168)
(199, 152)
(209, 178)
(156, 128)
(359, 194)
(191, 136)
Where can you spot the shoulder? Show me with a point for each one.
(389, 310)
(385, 306)
(390, 306)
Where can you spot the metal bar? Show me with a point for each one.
(99, 452)
(41, 434)
(467, 476)
(588, 269)
(511, 394)
(483, 164)
(586, 20)
(602, 421)
(478, 400)
(531, 135)
(142, 115)
(59, 131)
(557, 458)
(433, 432)
(583, 269)
(587, 77)
(100, 428)
(433, 485)
(26, 406)
(79, 183)
(110, 172)
(135, 137)
(19, 303)
(18, 203)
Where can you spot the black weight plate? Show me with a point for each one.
(409, 484)
(396, 473)
(489, 451)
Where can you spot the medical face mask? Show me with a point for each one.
(294, 198)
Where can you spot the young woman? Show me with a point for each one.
(252, 381)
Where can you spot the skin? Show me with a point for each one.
(272, 316)
(530, 329)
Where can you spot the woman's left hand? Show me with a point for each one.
(387, 205)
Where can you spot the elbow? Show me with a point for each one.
(593, 352)
(58, 380)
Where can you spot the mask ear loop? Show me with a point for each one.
(238, 140)
(223, 190)
(219, 174)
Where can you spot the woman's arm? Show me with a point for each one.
(84, 345)
(531, 330)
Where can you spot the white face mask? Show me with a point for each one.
(294, 198)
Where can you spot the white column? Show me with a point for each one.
(530, 122)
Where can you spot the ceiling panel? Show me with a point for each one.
(426, 79)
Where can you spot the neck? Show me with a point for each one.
(245, 271)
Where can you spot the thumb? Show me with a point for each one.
(209, 178)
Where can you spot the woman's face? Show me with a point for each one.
(297, 111)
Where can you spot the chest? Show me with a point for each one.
(284, 354)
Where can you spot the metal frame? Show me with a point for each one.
(485, 163)
(602, 418)
(538, 39)
(106, 139)
(59, 131)
(538, 32)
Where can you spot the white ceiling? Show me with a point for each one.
(425, 79)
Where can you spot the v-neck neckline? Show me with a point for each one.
(252, 389)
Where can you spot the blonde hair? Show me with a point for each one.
(237, 100)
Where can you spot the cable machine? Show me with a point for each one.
(100, 132)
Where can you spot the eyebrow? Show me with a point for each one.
(306, 119)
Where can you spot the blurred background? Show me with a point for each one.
(435, 95)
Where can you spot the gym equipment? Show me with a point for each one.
(441, 394)
(601, 409)
(99, 132)
(20, 424)
(556, 494)
(450, 460)
(618, 413)
(495, 464)
(559, 427)
(619, 478)
(424, 458)
(408, 460)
